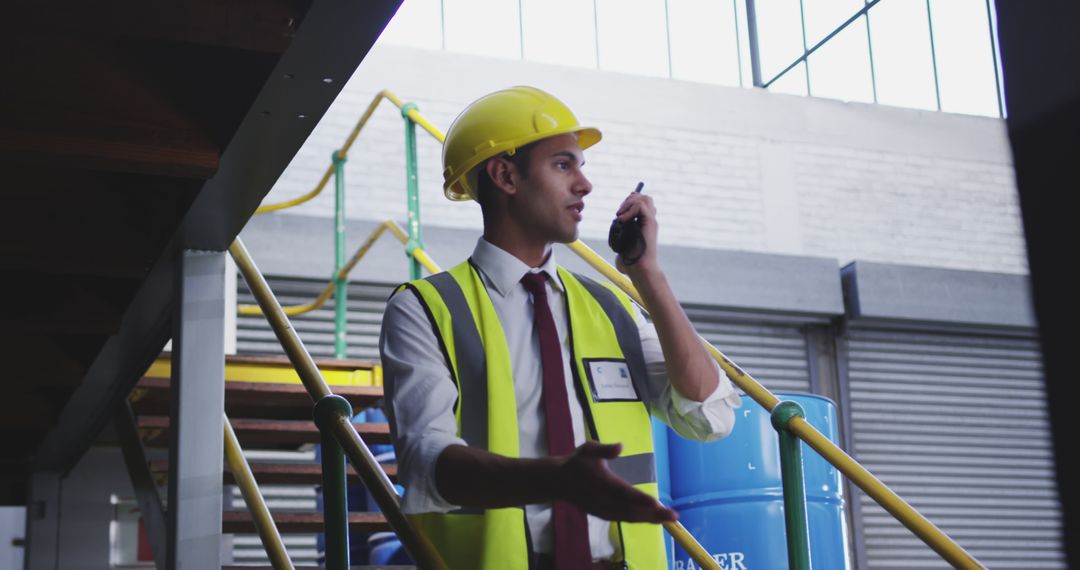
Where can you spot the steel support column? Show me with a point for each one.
(142, 482)
(43, 522)
(197, 403)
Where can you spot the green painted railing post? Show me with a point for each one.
(341, 291)
(791, 470)
(413, 186)
(335, 500)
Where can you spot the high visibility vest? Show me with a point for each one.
(602, 330)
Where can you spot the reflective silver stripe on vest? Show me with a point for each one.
(635, 469)
(471, 361)
(626, 331)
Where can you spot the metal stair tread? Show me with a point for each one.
(281, 433)
(257, 399)
(236, 522)
(285, 473)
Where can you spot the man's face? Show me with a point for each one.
(551, 196)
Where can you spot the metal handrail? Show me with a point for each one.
(925, 530)
(341, 154)
(946, 547)
(393, 227)
(371, 473)
(249, 489)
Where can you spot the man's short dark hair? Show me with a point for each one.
(485, 186)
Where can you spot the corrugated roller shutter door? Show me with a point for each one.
(316, 329)
(772, 351)
(956, 424)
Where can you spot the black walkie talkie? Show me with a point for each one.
(626, 239)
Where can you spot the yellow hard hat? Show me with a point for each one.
(502, 122)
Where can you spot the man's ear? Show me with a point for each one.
(503, 174)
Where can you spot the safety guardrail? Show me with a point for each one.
(333, 415)
(786, 419)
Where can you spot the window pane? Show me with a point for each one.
(965, 63)
(633, 38)
(900, 34)
(824, 16)
(560, 31)
(483, 27)
(779, 35)
(840, 69)
(703, 40)
(418, 23)
(793, 82)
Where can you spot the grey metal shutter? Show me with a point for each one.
(956, 424)
(302, 548)
(771, 349)
(367, 301)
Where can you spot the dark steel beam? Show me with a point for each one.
(330, 42)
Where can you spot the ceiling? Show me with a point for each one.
(133, 131)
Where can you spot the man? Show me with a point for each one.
(518, 393)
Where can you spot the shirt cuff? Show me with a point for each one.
(716, 409)
(418, 475)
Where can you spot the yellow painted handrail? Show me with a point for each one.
(260, 513)
(344, 150)
(946, 547)
(293, 310)
(872, 486)
(369, 469)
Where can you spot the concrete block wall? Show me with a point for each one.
(734, 169)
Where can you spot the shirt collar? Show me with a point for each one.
(503, 271)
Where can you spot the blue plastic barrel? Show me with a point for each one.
(383, 547)
(663, 477)
(729, 495)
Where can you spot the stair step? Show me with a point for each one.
(286, 473)
(360, 567)
(264, 433)
(236, 522)
(255, 399)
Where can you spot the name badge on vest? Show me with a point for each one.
(610, 380)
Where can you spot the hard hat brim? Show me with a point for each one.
(458, 188)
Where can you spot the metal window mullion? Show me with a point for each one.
(806, 55)
(738, 40)
(933, 54)
(521, 28)
(994, 55)
(870, 50)
(442, 22)
(596, 30)
(755, 53)
(862, 11)
(667, 34)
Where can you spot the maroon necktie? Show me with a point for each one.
(569, 526)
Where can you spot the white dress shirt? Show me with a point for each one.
(421, 392)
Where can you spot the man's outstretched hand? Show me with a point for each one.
(585, 480)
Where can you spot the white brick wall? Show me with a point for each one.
(730, 168)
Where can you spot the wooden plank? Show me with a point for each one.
(286, 473)
(266, 432)
(255, 399)
(240, 522)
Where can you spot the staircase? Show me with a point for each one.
(271, 412)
